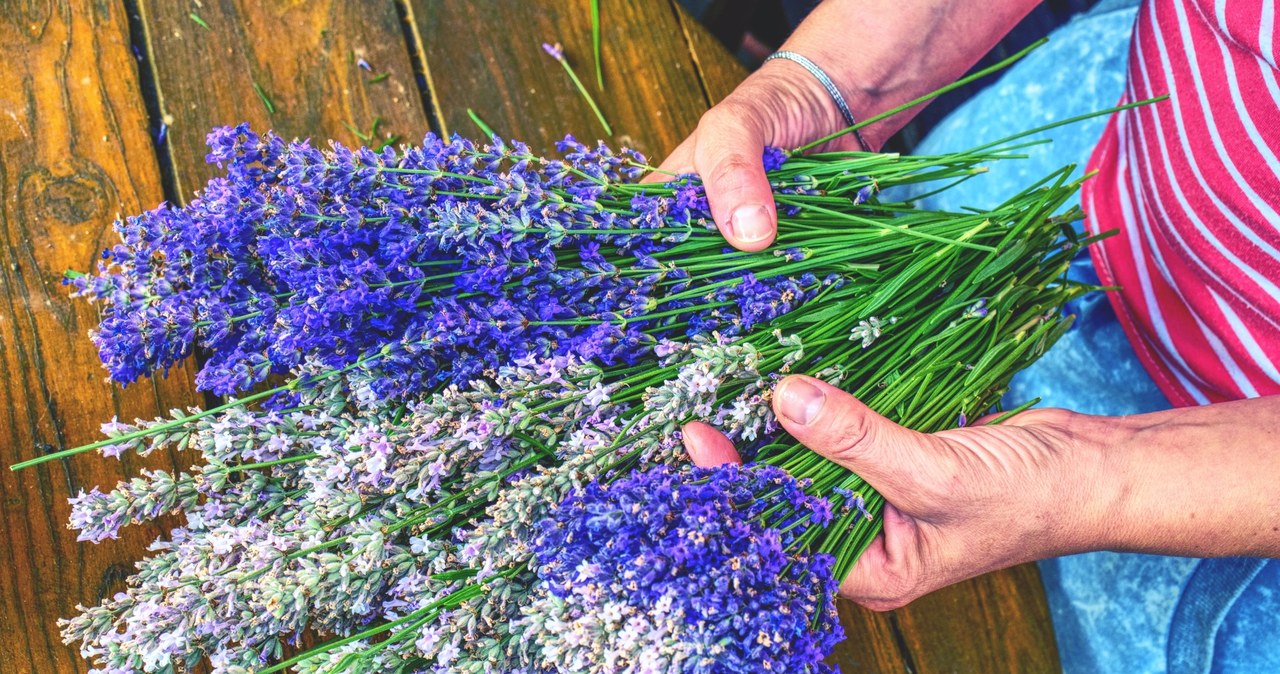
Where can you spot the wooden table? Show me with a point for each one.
(86, 86)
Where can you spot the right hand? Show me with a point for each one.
(960, 502)
(780, 105)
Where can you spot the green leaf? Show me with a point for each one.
(833, 310)
(262, 96)
(1005, 259)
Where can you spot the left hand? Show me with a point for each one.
(779, 105)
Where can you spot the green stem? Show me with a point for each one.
(484, 128)
(268, 464)
(925, 98)
(595, 42)
(608, 130)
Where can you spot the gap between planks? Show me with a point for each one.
(421, 70)
(683, 19)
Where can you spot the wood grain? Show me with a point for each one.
(305, 57)
(487, 55)
(74, 152)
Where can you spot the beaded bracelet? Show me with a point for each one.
(826, 84)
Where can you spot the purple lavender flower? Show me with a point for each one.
(99, 516)
(774, 158)
(863, 195)
(468, 258)
(676, 569)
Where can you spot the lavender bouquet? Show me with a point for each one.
(456, 375)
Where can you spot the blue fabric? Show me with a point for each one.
(1112, 612)
(1248, 636)
(1209, 594)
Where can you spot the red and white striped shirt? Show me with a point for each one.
(1193, 185)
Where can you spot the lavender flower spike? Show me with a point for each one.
(683, 571)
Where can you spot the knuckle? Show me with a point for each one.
(852, 434)
(895, 585)
(735, 118)
(732, 111)
(892, 594)
(883, 605)
(731, 170)
(901, 591)
(714, 124)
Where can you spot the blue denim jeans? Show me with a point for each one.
(1112, 612)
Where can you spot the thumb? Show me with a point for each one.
(842, 429)
(728, 156)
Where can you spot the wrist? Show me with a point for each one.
(882, 53)
(1102, 453)
(814, 108)
(1194, 482)
(877, 58)
(865, 90)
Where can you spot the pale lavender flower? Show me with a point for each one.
(868, 331)
(555, 50)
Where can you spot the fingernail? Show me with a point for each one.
(750, 223)
(800, 401)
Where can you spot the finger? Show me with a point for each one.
(727, 155)
(839, 427)
(679, 161)
(708, 447)
(890, 573)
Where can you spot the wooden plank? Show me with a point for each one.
(994, 623)
(998, 622)
(487, 55)
(74, 152)
(304, 56)
(871, 642)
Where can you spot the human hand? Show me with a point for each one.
(960, 503)
(780, 105)
(878, 53)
